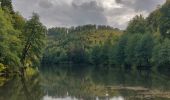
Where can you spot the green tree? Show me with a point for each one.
(77, 54)
(130, 49)
(10, 44)
(96, 55)
(143, 52)
(136, 25)
(165, 19)
(120, 50)
(161, 54)
(105, 51)
(34, 33)
(153, 21)
(7, 5)
(18, 21)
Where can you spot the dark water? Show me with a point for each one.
(88, 83)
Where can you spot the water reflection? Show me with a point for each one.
(73, 98)
(15, 89)
(88, 83)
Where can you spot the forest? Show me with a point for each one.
(85, 62)
(26, 43)
(145, 43)
(21, 41)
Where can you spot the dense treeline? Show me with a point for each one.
(143, 44)
(79, 44)
(21, 40)
(146, 40)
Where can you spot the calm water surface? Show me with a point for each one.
(88, 83)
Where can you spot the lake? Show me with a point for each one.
(88, 83)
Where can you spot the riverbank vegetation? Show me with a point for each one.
(21, 40)
(145, 42)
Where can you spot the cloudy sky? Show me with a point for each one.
(67, 13)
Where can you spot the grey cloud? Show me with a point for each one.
(80, 12)
(45, 4)
(141, 5)
(147, 5)
(73, 14)
(118, 1)
(88, 13)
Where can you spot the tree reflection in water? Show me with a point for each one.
(87, 83)
(18, 88)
